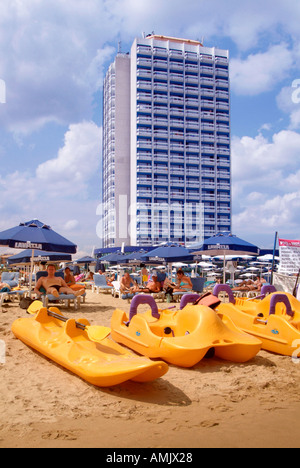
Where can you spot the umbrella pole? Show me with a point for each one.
(31, 272)
(224, 273)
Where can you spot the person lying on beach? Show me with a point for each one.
(54, 285)
(249, 286)
(153, 286)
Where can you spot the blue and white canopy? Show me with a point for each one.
(36, 235)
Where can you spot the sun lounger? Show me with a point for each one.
(12, 295)
(66, 299)
(10, 278)
(100, 284)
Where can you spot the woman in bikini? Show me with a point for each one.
(184, 283)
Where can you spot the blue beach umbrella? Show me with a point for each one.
(169, 254)
(36, 235)
(225, 243)
(86, 259)
(38, 256)
(114, 258)
(135, 258)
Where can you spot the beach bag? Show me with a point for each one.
(208, 300)
(25, 302)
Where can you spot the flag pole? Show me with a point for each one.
(273, 261)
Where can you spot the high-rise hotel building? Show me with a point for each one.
(166, 143)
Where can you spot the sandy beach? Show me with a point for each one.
(214, 404)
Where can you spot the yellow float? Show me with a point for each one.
(182, 337)
(274, 319)
(84, 350)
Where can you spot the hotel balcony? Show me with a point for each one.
(207, 104)
(222, 106)
(192, 160)
(208, 149)
(192, 124)
(160, 51)
(208, 197)
(223, 162)
(222, 116)
(191, 79)
(191, 90)
(176, 66)
(144, 181)
(144, 156)
(144, 120)
(222, 72)
(144, 168)
(206, 81)
(192, 68)
(221, 60)
(144, 144)
(222, 84)
(225, 151)
(223, 198)
(141, 84)
(223, 186)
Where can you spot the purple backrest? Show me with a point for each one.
(224, 288)
(277, 298)
(187, 298)
(141, 299)
(267, 288)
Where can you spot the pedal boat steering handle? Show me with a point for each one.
(276, 299)
(137, 300)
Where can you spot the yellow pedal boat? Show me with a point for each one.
(274, 319)
(103, 363)
(182, 337)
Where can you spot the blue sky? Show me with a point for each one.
(53, 57)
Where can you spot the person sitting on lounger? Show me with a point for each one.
(153, 286)
(184, 283)
(70, 280)
(126, 284)
(54, 285)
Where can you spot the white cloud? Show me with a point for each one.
(266, 182)
(279, 213)
(288, 100)
(257, 157)
(57, 192)
(53, 54)
(52, 58)
(71, 225)
(76, 162)
(262, 71)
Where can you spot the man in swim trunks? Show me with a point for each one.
(54, 285)
(126, 284)
(153, 286)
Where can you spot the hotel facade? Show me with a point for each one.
(166, 143)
